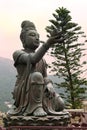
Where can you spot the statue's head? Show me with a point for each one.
(29, 35)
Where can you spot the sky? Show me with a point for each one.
(13, 12)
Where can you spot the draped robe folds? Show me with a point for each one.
(22, 93)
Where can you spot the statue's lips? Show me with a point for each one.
(37, 43)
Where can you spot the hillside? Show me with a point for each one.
(7, 81)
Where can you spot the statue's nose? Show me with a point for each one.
(37, 38)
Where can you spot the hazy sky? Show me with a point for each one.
(13, 12)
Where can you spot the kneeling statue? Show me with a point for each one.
(34, 93)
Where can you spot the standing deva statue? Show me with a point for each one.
(34, 93)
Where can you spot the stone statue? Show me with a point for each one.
(34, 93)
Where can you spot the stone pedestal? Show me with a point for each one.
(60, 120)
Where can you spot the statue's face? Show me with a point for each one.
(32, 39)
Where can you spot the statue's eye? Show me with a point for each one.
(32, 34)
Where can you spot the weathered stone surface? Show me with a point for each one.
(34, 93)
(62, 120)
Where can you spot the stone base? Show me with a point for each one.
(62, 120)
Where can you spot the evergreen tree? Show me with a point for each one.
(68, 55)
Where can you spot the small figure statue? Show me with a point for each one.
(34, 93)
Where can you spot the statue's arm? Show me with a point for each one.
(22, 57)
(35, 57)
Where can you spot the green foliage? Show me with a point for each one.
(68, 55)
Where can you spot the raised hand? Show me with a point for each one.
(55, 39)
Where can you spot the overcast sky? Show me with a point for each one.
(13, 12)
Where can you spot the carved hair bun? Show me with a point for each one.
(27, 24)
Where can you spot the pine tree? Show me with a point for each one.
(68, 55)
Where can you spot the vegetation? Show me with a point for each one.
(68, 64)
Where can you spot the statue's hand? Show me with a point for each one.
(49, 91)
(55, 39)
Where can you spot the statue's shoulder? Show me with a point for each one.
(17, 54)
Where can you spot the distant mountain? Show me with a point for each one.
(7, 81)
